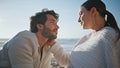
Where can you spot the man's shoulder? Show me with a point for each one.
(22, 39)
(26, 35)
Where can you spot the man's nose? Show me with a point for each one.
(79, 19)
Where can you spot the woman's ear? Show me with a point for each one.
(39, 26)
(93, 11)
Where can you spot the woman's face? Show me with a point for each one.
(85, 18)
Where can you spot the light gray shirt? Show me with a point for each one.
(23, 52)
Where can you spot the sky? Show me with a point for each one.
(15, 14)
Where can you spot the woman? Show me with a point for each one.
(95, 50)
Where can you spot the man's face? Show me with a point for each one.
(50, 28)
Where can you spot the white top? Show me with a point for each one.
(92, 51)
(23, 52)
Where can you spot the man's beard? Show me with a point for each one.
(46, 32)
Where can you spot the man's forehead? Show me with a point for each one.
(51, 17)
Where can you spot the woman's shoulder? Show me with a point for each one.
(108, 31)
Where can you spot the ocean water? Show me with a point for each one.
(67, 44)
(2, 41)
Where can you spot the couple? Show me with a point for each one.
(32, 49)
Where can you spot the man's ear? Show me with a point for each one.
(93, 11)
(39, 26)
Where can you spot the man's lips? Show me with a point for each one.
(82, 23)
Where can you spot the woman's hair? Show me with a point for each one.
(40, 18)
(101, 8)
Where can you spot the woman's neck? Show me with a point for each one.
(99, 24)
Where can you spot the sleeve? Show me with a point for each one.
(60, 55)
(20, 54)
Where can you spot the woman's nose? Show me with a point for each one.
(57, 27)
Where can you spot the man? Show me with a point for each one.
(28, 49)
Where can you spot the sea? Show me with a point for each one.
(67, 44)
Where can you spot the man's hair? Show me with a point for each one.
(40, 18)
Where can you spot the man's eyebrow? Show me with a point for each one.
(52, 20)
